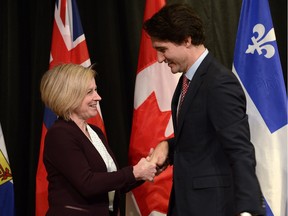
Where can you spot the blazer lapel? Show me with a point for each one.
(194, 85)
(174, 103)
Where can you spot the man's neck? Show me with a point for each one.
(196, 52)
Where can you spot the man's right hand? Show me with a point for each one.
(159, 156)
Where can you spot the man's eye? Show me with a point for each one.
(162, 50)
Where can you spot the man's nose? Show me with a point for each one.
(160, 57)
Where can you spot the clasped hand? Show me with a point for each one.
(144, 170)
(159, 156)
(155, 163)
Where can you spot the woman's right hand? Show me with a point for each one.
(144, 170)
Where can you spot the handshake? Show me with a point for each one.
(155, 163)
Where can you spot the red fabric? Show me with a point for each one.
(147, 54)
(41, 181)
(148, 130)
(149, 122)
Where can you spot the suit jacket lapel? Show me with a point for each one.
(194, 85)
(174, 103)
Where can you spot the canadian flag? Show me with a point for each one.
(152, 122)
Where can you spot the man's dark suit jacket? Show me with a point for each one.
(77, 175)
(213, 158)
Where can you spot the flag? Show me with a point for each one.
(257, 65)
(152, 121)
(6, 181)
(68, 46)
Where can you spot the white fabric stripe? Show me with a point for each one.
(271, 156)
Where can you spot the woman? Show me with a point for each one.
(82, 172)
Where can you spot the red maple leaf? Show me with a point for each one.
(149, 125)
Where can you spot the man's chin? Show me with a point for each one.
(175, 72)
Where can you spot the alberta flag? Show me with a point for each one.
(68, 46)
(6, 183)
(257, 65)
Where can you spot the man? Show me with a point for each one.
(213, 158)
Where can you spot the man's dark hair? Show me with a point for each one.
(175, 23)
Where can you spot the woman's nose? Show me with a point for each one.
(97, 96)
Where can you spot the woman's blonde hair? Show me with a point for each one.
(64, 87)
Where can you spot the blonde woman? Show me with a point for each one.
(83, 176)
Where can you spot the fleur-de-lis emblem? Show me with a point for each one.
(260, 42)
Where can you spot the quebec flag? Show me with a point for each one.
(6, 184)
(257, 65)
